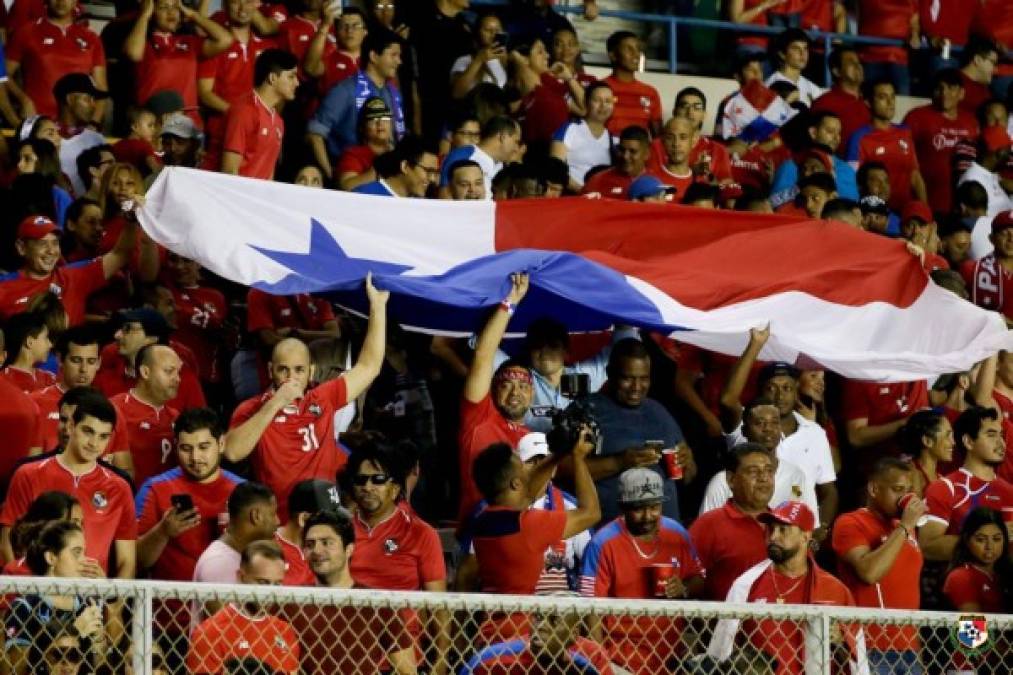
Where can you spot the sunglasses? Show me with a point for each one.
(64, 654)
(374, 478)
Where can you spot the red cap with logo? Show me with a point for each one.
(1002, 220)
(791, 513)
(919, 210)
(36, 227)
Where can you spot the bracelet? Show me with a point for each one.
(507, 307)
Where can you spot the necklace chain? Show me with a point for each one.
(640, 552)
(780, 595)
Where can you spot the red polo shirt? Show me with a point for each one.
(882, 403)
(898, 589)
(635, 103)
(728, 542)
(232, 70)
(146, 432)
(609, 184)
(72, 283)
(402, 553)
(851, 109)
(894, 147)
(254, 131)
(48, 401)
(337, 66)
(297, 570)
(299, 442)
(28, 381)
(481, 426)
(968, 584)
(232, 634)
(296, 33)
(104, 495)
(170, 62)
(47, 52)
(113, 378)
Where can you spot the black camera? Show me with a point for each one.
(568, 423)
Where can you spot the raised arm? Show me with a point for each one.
(479, 380)
(137, 39)
(730, 402)
(313, 62)
(370, 360)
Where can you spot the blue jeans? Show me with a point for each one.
(897, 72)
(894, 663)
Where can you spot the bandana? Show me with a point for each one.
(513, 374)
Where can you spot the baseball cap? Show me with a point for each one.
(648, 186)
(873, 204)
(640, 486)
(165, 101)
(313, 495)
(953, 224)
(153, 323)
(181, 126)
(533, 445)
(1002, 220)
(772, 370)
(995, 138)
(791, 513)
(919, 210)
(375, 108)
(36, 227)
(77, 83)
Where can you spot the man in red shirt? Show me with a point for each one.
(247, 631)
(308, 497)
(673, 167)
(789, 576)
(889, 144)
(253, 125)
(636, 103)
(289, 429)
(20, 427)
(730, 540)
(874, 411)
(199, 312)
(48, 49)
(978, 62)
(936, 129)
(879, 559)
(142, 444)
(708, 157)
(493, 405)
(78, 353)
(27, 342)
(331, 62)
(990, 279)
(105, 496)
(894, 19)
(844, 98)
(620, 562)
(171, 540)
(978, 432)
(631, 156)
(38, 244)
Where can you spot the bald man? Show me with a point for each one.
(670, 156)
(142, 443)
(288, 431)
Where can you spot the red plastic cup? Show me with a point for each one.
(670, 461)
(660, 574)
(904, 501)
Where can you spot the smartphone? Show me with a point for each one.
(501, 39)
(182, 503)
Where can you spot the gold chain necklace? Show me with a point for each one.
(780, 595)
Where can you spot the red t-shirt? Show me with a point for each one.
(337, 66)
(286, 311)
(635, 103)
(72, 283)
(169, 62)
(544, 109)
(610, 184)
(28, 381)
(297, 570)
(402, 553)
(949, 19)
(510, 547)
(200, 312)
(296, 33)
(481, 426)
(728, 542)
(355, 159)
(886, 19)
(935, 137)
(882, 403)
(48, 402)
(975, 93)
(178, 559)
(895, 149)
(969, 268)
(852, 110)
(104, 495)
(230, 633)
(47, 52)
(113, 378)
(20, 424)
(232, 70)
(299, 442)
(134, 151)
(898, 589)
(254, 131)
(951, 497)
(720, 164)
(146, 432)
(968, 584)
(680, 183)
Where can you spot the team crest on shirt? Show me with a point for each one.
(390, 546)
(315, 410)
(243, 644)
(82, 44)
(99, 501)
(280, 643)
(56, 289)
(182, 46)
(903, 145)
(145, 425)
(645, 101)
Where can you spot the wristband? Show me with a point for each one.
(508, 307)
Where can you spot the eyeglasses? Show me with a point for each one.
(431, 171)
(381, 6)
(374, 478)
(64, 654)
(691, 106)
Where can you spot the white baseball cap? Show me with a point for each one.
(533, 445)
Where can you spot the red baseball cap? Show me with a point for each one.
(791, 513)
(36, 227)
(919, 210)
(1002, 220)
(995, 138)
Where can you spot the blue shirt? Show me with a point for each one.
(377, 188)
(785, 189)
(623, 428)
(337, 115)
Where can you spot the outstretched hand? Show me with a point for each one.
(520, 281)
(377, 298)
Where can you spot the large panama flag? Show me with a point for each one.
(835, 297)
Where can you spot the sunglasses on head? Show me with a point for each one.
(374, 478)
(64, 654)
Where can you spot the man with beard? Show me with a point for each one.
(978, 432)
(788, 576)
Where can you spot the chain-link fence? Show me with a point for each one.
(71, 627)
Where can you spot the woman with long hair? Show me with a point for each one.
(40, 157)
(550, 92)
(487, 63)
(981, 575)
(49, 507)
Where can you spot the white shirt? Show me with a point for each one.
(808, 91)
(790, 484)
(219, 564)
(493, 71)
(998, 200)
(808, 449)
(583, 150)
(981, 245)
(70, 148)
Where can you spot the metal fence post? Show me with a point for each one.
(141, 628)
(673, 44)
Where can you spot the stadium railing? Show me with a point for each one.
(359, 631)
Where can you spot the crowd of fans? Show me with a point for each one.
(163, 423)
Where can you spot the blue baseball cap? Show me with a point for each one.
(648, 186)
